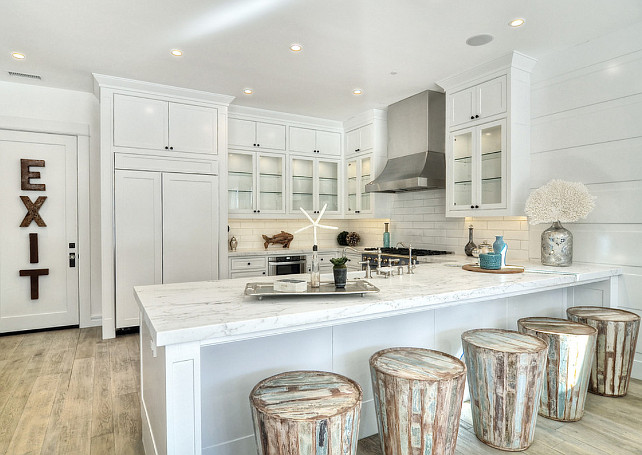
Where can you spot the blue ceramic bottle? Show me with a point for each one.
(499, 246)
(386, 236)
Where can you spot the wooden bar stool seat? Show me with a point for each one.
(418, 395)
(505, 374)
(571, 347)
(306, 412)
(617, 334)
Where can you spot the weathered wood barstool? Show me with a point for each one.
(306, 412)
(505, 373)
(418, 394)
(617, 334)
(571, 347)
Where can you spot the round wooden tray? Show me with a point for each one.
(504, 270)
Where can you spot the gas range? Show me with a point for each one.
(390, 256)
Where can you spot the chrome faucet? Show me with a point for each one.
(402, 244)
(368, 270)
(346, 248)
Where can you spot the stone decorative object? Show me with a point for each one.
(233, 243)
(306, 412)
(617, 334)
(571, 347)
(418, 395)
(557, 246)
(282, 238)
(505, 375)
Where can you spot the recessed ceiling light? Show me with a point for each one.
(479, 40)
(177, 52)
(516, 22)
(357, 91)
(18, 55)
(296, 47)
(248, 91)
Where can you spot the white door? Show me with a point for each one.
(38, 231)
(241, 133)
(302, 140)
(270, 136)
(492, 97)
(328, 143)
(190, 227)
(462, 106)
(192, 128)
(138, 223)
(140, 122)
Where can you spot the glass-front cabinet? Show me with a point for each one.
(256, 183)
(313, 183)
(358, 174)
(477, 174)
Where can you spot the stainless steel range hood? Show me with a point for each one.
(416, 145)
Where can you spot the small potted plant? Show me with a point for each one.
(340, 271)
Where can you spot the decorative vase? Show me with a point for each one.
(340, 277)
(499, 246)
(470, 246)
(233, 243)
(557, 246)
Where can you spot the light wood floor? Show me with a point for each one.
(69, 392)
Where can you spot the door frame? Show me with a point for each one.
(81, 132)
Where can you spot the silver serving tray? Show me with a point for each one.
(261, 290)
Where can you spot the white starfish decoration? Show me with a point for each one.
(315, 223)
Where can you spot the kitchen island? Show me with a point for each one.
(205, 345)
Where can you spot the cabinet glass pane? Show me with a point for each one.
(240, 181)
(302, 184)
(463, 168)
(366, 178)
(491, 165)
(270, 183)
(329, 185)
(351, 187)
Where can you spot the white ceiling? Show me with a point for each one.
(233, 44)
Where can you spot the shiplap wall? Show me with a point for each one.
(587, 127)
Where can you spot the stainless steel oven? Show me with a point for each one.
(286, 265)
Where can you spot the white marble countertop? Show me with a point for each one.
(213, 312)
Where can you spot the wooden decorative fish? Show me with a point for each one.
(283, 238)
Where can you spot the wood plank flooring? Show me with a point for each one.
(69, 392)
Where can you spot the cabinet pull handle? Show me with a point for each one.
(254, 145)
(166, 148)
(249, 263)
(477, 116)
(171, 148)
(258, 145)
(472, 117)
(472, 206)
(476, 206)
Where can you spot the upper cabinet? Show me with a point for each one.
(360, 139)
(477, 103)
(250, 134)
(314, 183)
(256, 183)
(488, 138)
(153, 124)
(307, 140)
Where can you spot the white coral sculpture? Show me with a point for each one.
(559, 200)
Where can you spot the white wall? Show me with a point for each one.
(50, 104)
(587, 127)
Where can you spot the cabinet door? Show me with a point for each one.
(366, 137)
(365, 177)
(328, 185)
(462, 106)
(352, 185)
(353, 141)
(302, 140)
(140, 122)
(241, 182)
(192, 128)
(190, 227)
(270, 184)
(328, 143)
(492, 165)
(270, 136)
(462, 147)
(491, 97)
(138, 225)
(302, 184)
(241, 133)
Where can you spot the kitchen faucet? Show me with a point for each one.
(346, 248)
(402, 244)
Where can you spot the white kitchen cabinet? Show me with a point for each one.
(360, 139)
(307, 140)
(166, 227)
(251, 134)
(477, 103)
(256, 183)
(476, 158)
(313, 183)
(325, 265)
(152, 124)
(247, 266)
(488, 157)
(358, 174)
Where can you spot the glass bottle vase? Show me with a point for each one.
(557, 246)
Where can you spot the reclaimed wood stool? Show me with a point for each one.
(505, 374)
(571, 347)
(306, 412)
(617, 334)
(418, 395)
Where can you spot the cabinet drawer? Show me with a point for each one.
(248, 263)
(248, 274)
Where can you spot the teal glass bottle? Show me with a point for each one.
(386, 236)
(499, 246)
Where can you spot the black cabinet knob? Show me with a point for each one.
(258, 211)
(166, 148)
(248, 263)
(472, 117)
(171, 148)
(477, 116)
(476, 206)
(254, 145)
(255, 210)
(472, 206)
(258, 145)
